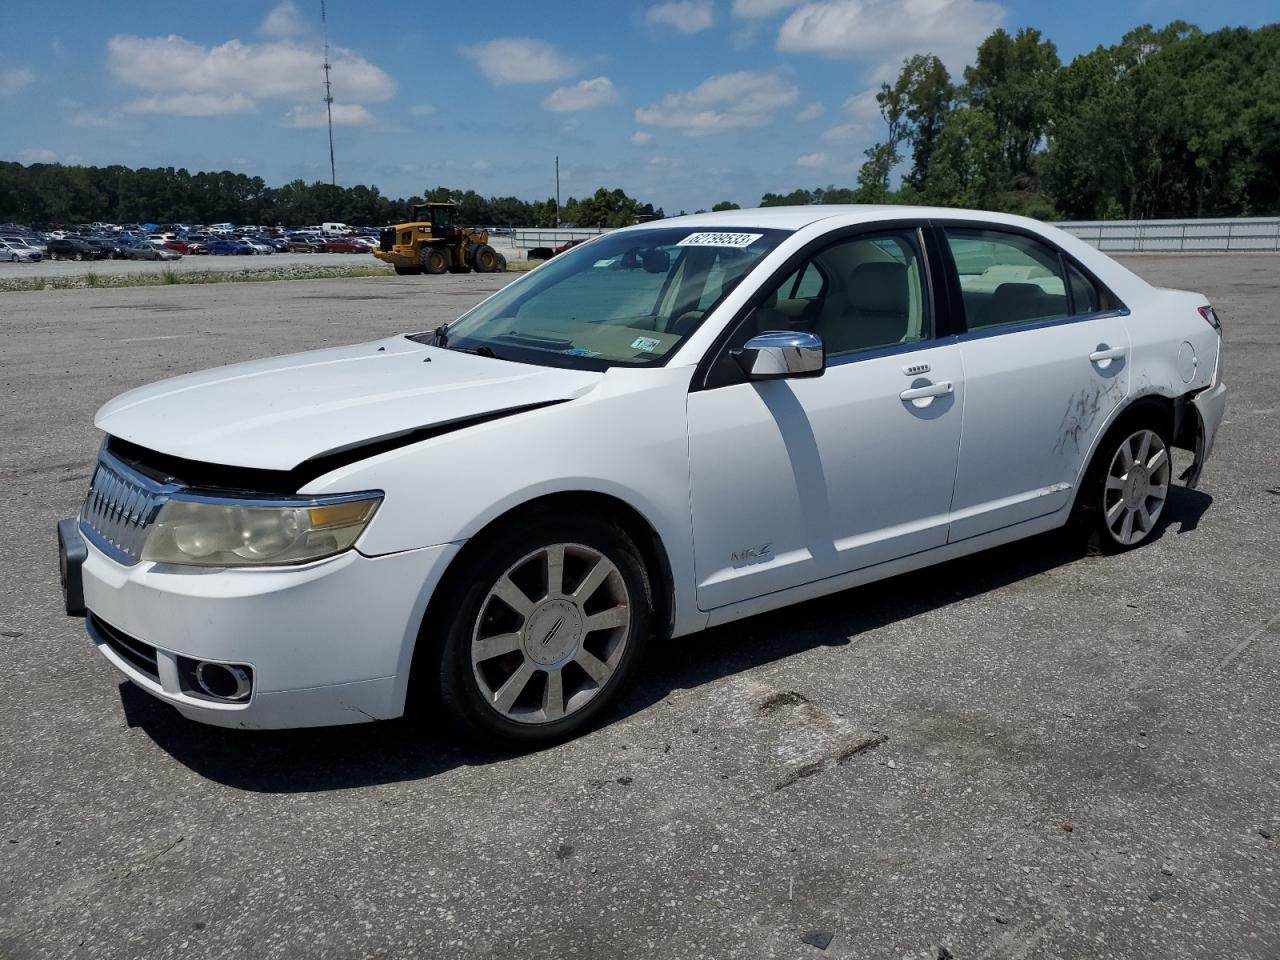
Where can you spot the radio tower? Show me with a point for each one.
(328, 94)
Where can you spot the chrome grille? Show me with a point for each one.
(120, 508)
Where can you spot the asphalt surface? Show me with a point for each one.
(1034, 752)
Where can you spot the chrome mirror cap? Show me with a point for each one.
(780, 354)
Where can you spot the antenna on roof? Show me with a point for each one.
(328, 94)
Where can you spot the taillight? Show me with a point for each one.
(1210, 317)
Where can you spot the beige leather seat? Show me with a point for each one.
(874, 313)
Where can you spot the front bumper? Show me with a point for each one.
(328, 643)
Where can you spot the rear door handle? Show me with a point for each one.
(1109, 353)
(927, 392)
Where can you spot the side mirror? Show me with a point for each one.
(780, 355)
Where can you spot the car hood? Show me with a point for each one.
(275, 414)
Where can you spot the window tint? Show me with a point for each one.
(857, 294)
(1006, 278)
(1085, 296)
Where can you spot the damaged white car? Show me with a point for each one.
(672, 426)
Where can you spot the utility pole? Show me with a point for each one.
(328, 94)
(557, 190)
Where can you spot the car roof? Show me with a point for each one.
(794, 218)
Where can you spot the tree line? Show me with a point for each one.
(1172, 122)
(51, 193)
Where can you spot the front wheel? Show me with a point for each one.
(486, 259)
(552, 620)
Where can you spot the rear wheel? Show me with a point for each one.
(550, 623)
(79, 255)
(433, 260)
(1128, 483)
(502, 264)
(486, 259)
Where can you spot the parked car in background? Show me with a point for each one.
(278, 244)
(343, 245)
(71, 248)
(306, 244)
(17, 251)
(19, 248)
(257, 246)
(111, 247)
(186, 247)
(225, 246)
(150, 250)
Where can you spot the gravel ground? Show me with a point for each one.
(1028, 753)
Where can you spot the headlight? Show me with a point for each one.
(215, 532)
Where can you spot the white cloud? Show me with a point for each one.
(285, 20)
(583, 95)
(812, 112)
(813, 160)
(37, 155)
(344, 115)
(510, 60)
(863, 106)
(192, 104)
(761, 8)
(92, 120)
(844, 133)
(14, 79)
(723, 102)
(641, 137)
(422, 110)
(191, 80)
(687, 16)
(951, 29)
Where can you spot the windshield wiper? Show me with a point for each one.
(440, 336)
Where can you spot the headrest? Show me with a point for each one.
(1013, 302)
(880, 288)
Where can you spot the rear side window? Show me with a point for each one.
(1006, 278)
(1085, 295)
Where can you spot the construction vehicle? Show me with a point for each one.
(432, 241)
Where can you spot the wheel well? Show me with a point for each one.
(1159, 408)
(636, 526)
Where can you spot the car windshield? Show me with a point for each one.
(625, 299)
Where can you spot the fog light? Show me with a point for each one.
(223, 681)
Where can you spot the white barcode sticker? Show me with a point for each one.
(739, 240)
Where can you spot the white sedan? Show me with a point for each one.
(671, 426)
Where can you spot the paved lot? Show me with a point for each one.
(1021, 691)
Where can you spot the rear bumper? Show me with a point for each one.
(1210, 406)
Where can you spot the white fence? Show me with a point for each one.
(1113, 236)
(1177, 236)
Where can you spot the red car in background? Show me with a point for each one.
(186, 247)
(344, 246)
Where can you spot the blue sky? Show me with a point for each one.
(679, 103)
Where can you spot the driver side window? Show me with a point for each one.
(858, 294)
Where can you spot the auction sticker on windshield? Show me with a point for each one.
(739, 240)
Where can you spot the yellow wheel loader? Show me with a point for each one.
(434, 242)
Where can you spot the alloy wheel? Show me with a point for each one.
(1137, 486)
(550, 634)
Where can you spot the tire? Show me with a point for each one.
(79, 255)
(1127, 485)
(13, 258)
(486, 259)
(509, 695)
(434, 260)
(502, 264)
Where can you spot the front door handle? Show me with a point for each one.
(927, 392)
(1105, 353)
